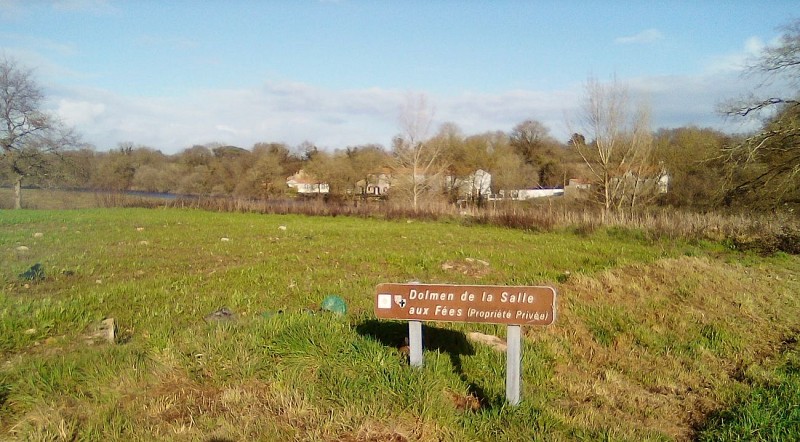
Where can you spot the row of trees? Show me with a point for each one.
(514, 161)
(613, 148)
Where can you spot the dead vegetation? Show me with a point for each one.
(655, 347)
(766, 233)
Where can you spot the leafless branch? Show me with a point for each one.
(749, 108)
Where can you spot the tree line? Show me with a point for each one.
(613, 150)
(527, 157)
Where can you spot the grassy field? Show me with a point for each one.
(655, 339)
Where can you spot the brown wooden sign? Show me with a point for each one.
(493, 304)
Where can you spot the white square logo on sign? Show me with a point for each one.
(384, 301)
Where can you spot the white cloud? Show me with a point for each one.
(44, 45)
(753, 46)
(79, 113)
(477, 113)
(288, 112)
(646, 36)
(739, 60)
(294, 112)
(681, 100)
(227, 129)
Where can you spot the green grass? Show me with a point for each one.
(769, 411)
(641, 321)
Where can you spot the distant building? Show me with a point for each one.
(526, 194)
(663, 183)
(306, 184)
(580, 188)
(577, 188)
(376, 185)
(477, 185)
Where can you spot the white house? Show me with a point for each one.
(478, 184)
(305, 184)
(377, 185)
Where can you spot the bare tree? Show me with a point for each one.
(30, 138)
(509, 170)
(417, 159)
(530, 139)
(765, 167)
(643, 173)
(620, 156)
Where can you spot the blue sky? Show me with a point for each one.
(170, 74)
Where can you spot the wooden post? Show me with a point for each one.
(415, 343)
(513, 364)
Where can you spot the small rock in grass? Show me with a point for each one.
(464, 402)
(223, 314)
(478, 261)
(282, 228)
(405, 352)
(38, 235)
(103, 331)
(468, 266)
(22, 249)
(335, 304)
(35, 273)
(144, 243)
(224, 239)
(139, 229)
(493, 341)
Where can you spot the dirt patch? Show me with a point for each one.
(179, 402)
(476, 268)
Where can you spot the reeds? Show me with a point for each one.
(765, 233)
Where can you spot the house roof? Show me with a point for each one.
(301, 177)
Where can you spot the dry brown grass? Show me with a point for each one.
(687, 330)
(764, 233)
